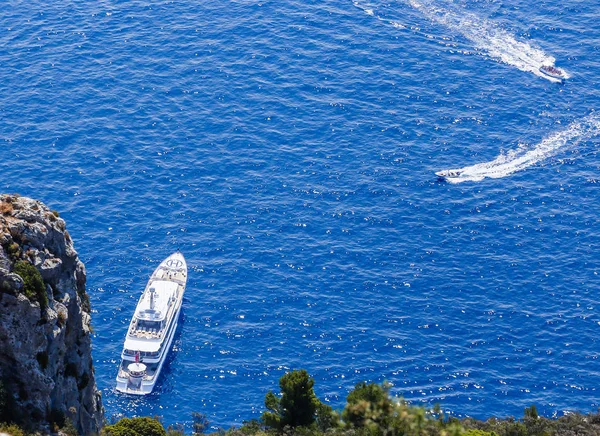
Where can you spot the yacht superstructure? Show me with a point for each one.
(152, 327)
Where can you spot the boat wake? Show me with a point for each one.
(488, 37)
(524, 156)
(369, 10)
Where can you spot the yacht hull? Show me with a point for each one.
(154, 344)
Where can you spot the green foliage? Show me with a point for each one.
(531, 412)
(176, 430)
(69, 429)
(368, 405)
(298, 404)
(371, 411)
(251, 427)
(327, 418)
(144, 426)
(479, 433)
(34, 286)
(272, 417)
(11, 429)
(529, 426)
(200, 424)
(13, 250)
(534, 425)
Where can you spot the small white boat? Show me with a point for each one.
(448, 174)
(554, 72)
(152, 327)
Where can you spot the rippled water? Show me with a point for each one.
(289, 149)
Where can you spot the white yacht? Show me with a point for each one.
(152, 327)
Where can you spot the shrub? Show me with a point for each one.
(298, 400)
(531, 412)
(369, 404)
(200, 424)
(327, 418)
(69, 429)
(144, 426)
(176, 430)
(62, 318)
(11, 429)
(298, 405)
(6, 208)
(13, 250)
(479, 433)
(251, 427)
(34, 286)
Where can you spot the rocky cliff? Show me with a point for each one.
(46, 364)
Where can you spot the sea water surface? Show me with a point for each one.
(289, 150)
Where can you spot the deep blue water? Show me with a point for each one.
(288, 149)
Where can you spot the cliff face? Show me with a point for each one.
(45, 344)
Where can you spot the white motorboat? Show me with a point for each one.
(554, 72)
(448, 174)
(152, 327)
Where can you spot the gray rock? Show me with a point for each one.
(45, 353)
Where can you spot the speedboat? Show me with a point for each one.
(448, 174)
(554, 72)
(152, 327)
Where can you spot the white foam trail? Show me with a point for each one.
(488, 37)
(523, 157)
(371, 12)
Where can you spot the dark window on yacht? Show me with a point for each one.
(148, 325)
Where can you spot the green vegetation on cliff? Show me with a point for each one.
(370, 410)
(135, 427)
(33, 283)
(47, 380)
(298, 405)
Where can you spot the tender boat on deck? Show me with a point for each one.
(152, 327)
(554, 72)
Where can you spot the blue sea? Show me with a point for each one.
(289, 150)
